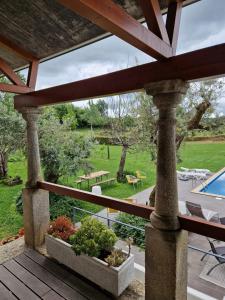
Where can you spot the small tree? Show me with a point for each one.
(123, 129)
(12, 130)
(95, 114)
(63, 151)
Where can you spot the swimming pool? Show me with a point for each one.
(215, 185)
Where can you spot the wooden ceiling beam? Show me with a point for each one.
(173, 22)
(112, 18)
(9, 73)
(6, 43)
(194, 65)
(153, 17)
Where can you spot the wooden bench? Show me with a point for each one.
(110, 180)
(79, 181)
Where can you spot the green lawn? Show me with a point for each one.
(10, 220)
(194, 155)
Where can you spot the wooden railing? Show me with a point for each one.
(192, 224)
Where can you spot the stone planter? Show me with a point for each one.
(111, 279)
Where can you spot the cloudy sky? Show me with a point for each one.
(202, 25)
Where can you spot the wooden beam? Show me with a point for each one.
(16, 89)
(189, 66)
(6, 43)
(32, 74)
(173, 22)
(9, 73)
(111, 17)
(192, 224)
(131, 208)
(154, 19)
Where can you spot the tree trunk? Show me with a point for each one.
(3, 165)
(194, 123)
(122, 163)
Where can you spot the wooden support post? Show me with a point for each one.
(166, 243)
(35, 201)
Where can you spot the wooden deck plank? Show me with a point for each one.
(63, 274)
(5, 294)
(27, 278)
(52, 296)
(16, 286)
(52, 281)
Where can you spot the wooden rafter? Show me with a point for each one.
(16, 89)
(9, 73)
(18, 85)
(111, 17)
(32, 74)
(173, 22)
(154, 19)
(189, 66)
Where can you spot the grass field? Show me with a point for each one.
(193, 154)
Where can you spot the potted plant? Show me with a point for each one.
(90, 251)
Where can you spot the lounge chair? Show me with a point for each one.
(132, 180)
(218, 251)
(209, 215)
(204, 171)
(141, 175)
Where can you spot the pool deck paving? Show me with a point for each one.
(213, 203)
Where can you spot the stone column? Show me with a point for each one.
(35, 201)
(30, 115)
(166, 244)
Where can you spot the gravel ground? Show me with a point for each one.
(11, 249)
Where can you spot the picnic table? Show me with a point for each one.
(94, 175)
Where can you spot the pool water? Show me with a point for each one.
(216, 186)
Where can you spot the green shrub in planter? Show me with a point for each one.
(93, 238)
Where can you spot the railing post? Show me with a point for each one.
(35, 201)
(166, 243)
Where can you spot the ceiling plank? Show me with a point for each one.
(9, 73)
(154, 19)
(32, 74)
(194, 65)
(16, 89)
(6, 43)
(111, 17)
(173, 22)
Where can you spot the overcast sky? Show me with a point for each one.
(202, 25)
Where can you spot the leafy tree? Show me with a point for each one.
(12, 130)
(66, 113)
(102, 107)
(63, 151)
(123, 127)
(95, 114)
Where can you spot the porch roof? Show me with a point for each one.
(43, 29)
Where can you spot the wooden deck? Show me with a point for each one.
(31, 276)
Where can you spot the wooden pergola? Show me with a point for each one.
(32, 36)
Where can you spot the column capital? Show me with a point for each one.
(30, 114)
(167, 93)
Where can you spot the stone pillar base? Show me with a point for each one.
(36, 216)
(165, 264)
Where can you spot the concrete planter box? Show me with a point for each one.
(111, 279)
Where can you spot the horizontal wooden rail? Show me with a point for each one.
(192, 224)
(130, 208)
